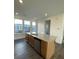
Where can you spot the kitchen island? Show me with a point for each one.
(43, 44)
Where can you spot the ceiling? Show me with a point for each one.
(37, 8)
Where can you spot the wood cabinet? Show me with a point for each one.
(31, 41)
(45, 48)
(27, 37)
(50, 49)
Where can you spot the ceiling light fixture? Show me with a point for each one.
(45, 14)
(17, 13)
(20, 1)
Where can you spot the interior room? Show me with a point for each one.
(38, 29)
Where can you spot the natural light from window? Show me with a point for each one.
(17, 21)
(18, 25)
(34, 28)
(27, 25)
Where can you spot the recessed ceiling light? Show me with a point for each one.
(45, 14)
(20, 1)
(17, 13)
(35, 18)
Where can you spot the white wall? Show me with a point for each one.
(41, 27)
(19, 36)
(56, 27)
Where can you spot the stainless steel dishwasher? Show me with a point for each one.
(37, 45)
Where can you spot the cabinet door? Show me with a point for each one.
(31, 41)
(37, 45)
(27, 37)
(43, 49)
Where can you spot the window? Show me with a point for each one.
(27, 25)
(18, 26)
(34, 28)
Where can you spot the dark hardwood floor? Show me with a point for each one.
(23, 50)
(59, 51)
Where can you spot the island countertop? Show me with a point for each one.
(44, 37)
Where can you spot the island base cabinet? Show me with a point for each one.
(27, 38)
(31, 41)
(47, 49)
(50, 49)
(43, 49)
